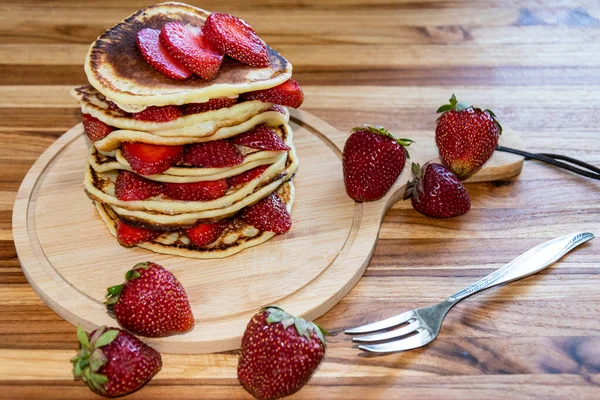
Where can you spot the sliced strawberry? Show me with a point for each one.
(247, 176)
(197, 191)
(94, 128)
(204, 234)
(278, 108)
(129, 235)
(158, 114)
(150, 159)
(216, 154)
(158, 57)
(186, 43)
(261, 137)
(131, 186)
(269, 214)
(289, 94)
(234, 37)
(212, 104)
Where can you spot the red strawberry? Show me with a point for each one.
(247, 176)
(187, 44)
(269, 214)
(234, 37)
(205, 234)
(280, 353)
(278, 108)
(158, 57)
(261, 137)
(372, 161)
(466, 136)
(151, 302)
(130, 235)
(212, 104)
(94, 128)
(158, 114)
(437, 192)
(216, 154)
(131, 186)
(197, 191)
(150, 159)
(113, 362)
(289, 94)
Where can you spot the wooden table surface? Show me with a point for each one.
(389, 62)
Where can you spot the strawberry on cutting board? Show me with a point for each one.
(280, 353)
(437, 192)
(113, 362)
(150, 159)
(466, 136)
(187, 44)
(372, 161)
(155, 54)
(234, 37)
(151, 302)
(289, 94)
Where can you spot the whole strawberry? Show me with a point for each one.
(151, 302)
(279, 354)
(437, 192)
(113, 362)
(466, 136)
(372, 161)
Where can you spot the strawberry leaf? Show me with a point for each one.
(97, 360)
(444, 108)
(106, 338)
(82, 337)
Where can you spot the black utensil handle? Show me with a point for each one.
(587, 170)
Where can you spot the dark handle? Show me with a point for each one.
(553, 159)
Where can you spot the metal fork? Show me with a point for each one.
(418, 327)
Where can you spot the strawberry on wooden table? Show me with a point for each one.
(215, 154)
(129, 235)
(269, 214)
(261, 137)
(94, 128)
(205, 234)
(279, 354)
(289, 94)
(155, 54)
(372, 161)
(196, 191)
(113, 362)
(151, 302)
(437, 192)
(188, 45)
(246, 176)
(211, 105)
(131, 186)
(234, 37)
(150, 159)
(158, 114)
(466, 136)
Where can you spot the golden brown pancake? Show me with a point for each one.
(116, 68)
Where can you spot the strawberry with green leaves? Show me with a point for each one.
(280, 353)
(437, 192)
(151, 302)
(466, 136)
(372, 161)
(113, 362)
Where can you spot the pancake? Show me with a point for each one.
(94, 103)
(237, 236)
(116, 68)
(182, 173)
(211, 132)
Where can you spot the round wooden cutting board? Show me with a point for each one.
(70, 258)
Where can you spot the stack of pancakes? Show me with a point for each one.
(123, 84)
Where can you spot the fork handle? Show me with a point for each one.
(528, 263)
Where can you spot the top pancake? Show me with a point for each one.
(116, 68)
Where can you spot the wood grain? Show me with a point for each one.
(534, 62)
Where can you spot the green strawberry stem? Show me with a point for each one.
(380, 130)
(458, 106)
(113, 292)
(303, 327)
